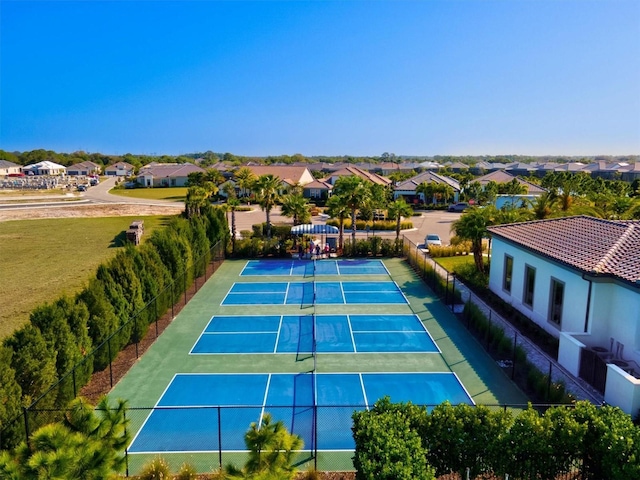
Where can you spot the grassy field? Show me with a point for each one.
(177, 194)
(43, 259)
(450, 263)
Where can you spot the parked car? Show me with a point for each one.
(432, 239)
(82, 188)
(458, 207)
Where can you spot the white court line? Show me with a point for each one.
(353, 340)
(275, 347)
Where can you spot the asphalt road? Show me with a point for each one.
(428, 222)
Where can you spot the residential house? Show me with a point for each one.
(45, 167)
(84, 169)
(501, 176)
(288, 174)
(166, 174)
(579, 279)
(358, 172)
(407, 188)
(9, 168)
(317, 191)
(120, 169)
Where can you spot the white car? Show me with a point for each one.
(432, 239)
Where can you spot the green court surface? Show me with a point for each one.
(484, 381)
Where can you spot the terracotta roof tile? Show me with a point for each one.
(588, 244)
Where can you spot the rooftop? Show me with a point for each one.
(591, 245)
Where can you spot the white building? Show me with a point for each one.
(579, 279)
(45, 168)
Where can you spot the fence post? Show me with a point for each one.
(126, 449)
(172, 300)
(26, 422)
(219, 438)
(549, 381)
(155, 308)
(513, 365)
(453, 291)
(446, 290)
(110, 361)
(135, 328)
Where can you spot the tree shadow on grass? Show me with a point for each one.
(120, 240)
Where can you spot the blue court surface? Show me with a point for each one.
(310, 267)
(186, 418)
(320, 293)
(333, 334)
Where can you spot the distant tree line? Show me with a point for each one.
(73, 332)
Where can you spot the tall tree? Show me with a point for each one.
(297, 207)
(267, 189)
(397, 210)
(232, 204)
(356, 193)
(244, 178)
(337, 208)
(472, 225)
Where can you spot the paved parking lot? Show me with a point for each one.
(428, 222)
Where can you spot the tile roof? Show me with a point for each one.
(500, 176)
(592, 245)
(169, 169)
(358, 172)
(286, 173)
(412, 183)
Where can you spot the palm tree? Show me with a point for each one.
(542, 206)
(267, 189)
(472, 225)
(356, 194)
(297, 207)
(196, 199)
(232, 203)
(244, 178)
(397, 210)
(337, 208)
(426, 189)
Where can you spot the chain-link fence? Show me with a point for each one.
(529, 365)
(110, 360)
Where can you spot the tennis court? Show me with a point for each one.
(320, 293)
(187, 417)
(240, 334)
(309, 350)
(303, 267)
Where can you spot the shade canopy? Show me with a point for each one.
(309, 228)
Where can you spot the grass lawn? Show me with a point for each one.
(450, 263)
(177, 194)
(43, 259)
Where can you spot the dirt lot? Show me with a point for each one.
(104, 210)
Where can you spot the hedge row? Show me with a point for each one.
(44, 363)
(405, 441)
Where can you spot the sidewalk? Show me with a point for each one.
(577, 387)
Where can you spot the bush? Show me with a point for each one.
(156, 469)
(187, 472)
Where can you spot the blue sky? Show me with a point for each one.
(450, 77)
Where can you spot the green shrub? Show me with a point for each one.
(187, 472)
(156, 469)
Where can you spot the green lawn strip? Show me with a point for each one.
(177, 194)
(450, 263)
(45, 258)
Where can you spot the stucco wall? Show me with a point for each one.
(575, 288)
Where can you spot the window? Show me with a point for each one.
(508, 273)
(556, 299)
(529, 285)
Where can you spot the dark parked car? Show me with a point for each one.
(458, 207)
